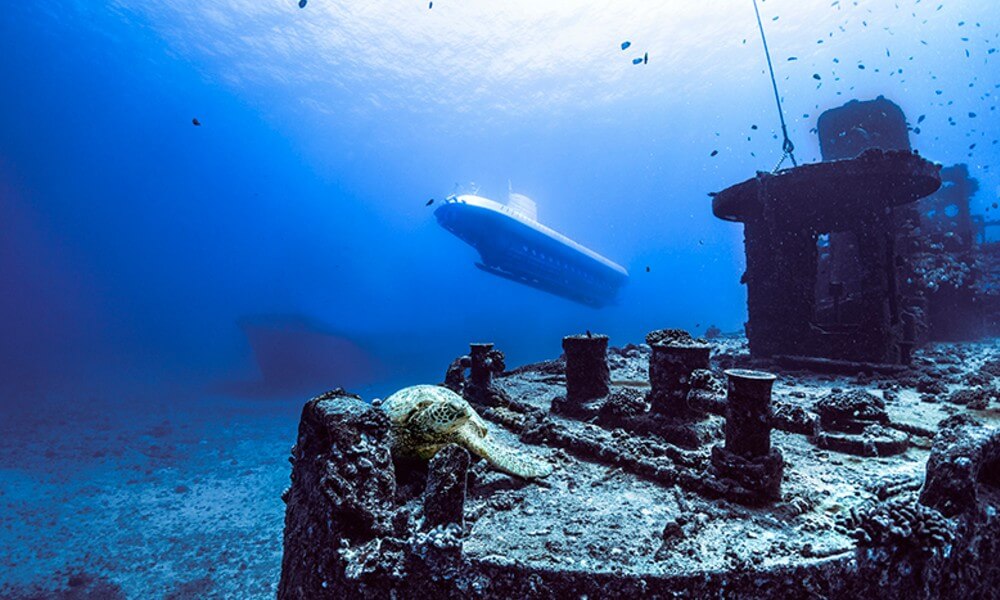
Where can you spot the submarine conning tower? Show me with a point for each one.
(820, 243)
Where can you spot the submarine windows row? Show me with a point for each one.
(566, 267)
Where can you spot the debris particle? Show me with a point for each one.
(626, 44)
(714, 152)
(196, 122)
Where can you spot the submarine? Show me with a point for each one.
(512, 244)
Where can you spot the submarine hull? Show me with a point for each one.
(517, 248)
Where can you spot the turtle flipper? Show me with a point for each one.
(504, 458)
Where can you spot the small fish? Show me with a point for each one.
(714, 153)
(626, 44)
(589, 334)
(754, 127)
(430, 5)
(920, 119)
(816, 76)
(791, 58)
(196, 122)
(429, 202)
(645, 58)
(302, 3)
(636, 61)
(647, 268)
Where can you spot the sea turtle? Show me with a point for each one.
(425, 418)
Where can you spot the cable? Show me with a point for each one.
(787, 146)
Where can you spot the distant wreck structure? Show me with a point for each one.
(861, 257)
(947, 264)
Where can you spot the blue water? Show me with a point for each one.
(134, 242)
(143, 437)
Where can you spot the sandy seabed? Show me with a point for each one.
(125, 500)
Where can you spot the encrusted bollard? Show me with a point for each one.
(748, 412)
(670, 366)
(747, 468)
(484, 362)
(444, 497)
(482, 365)
(587, 373)
(855, 421)
(454, 377)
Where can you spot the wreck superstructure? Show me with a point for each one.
(864, 256)
(705, 480)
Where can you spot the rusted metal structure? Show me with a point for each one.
(842, 206)
(940, 264)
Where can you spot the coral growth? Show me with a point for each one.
(668, 336)
(900, 524)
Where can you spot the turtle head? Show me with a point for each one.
(451, 415)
